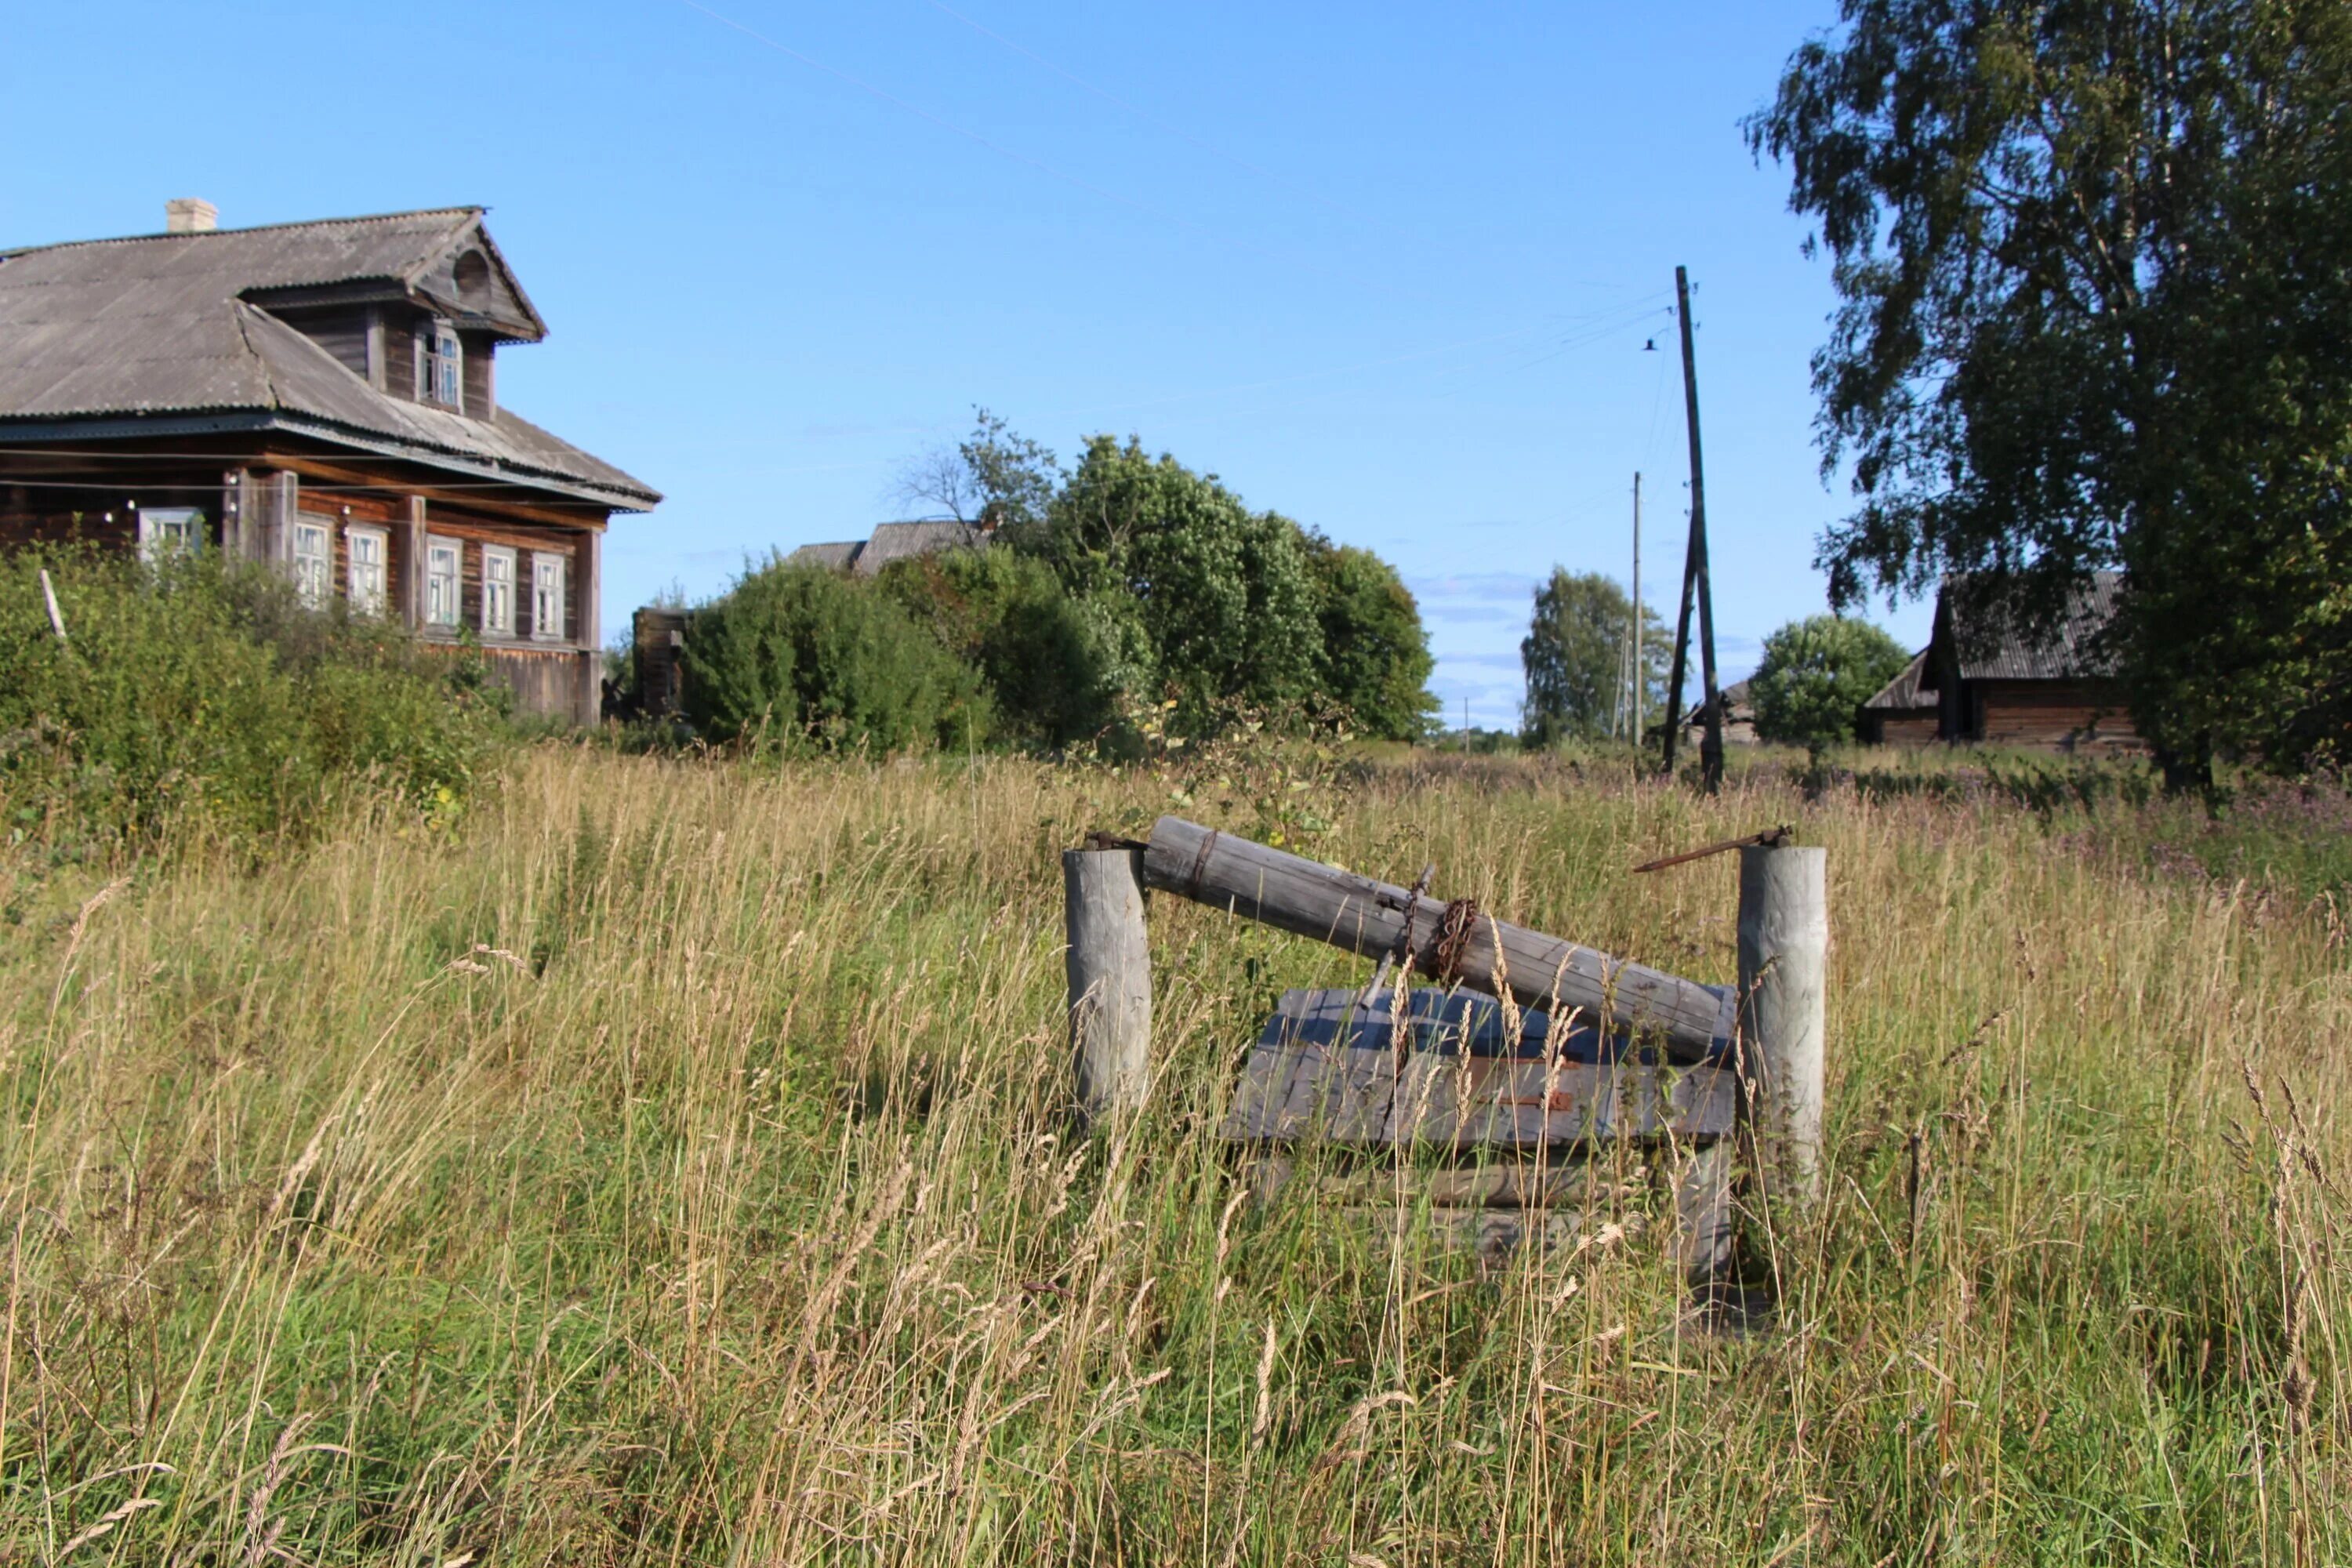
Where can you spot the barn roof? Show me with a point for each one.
(1904, 693)
(840, 556)
(1990, 646)
(167, 329)
(904, 541)
(890, 541)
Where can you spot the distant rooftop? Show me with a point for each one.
(890, 541)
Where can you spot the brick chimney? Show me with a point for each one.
(190, 215)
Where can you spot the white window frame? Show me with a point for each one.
(313, 569)
(444, 366)
(444, 582)
(550, 573)
(168, 529)
(366, 583)
(497, 591)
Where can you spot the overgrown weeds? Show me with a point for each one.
(671, 1164)
(194, 701)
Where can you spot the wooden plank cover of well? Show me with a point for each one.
(1362, 916)
(1325, 1067)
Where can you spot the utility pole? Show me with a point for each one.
(1695, 577)
(1636, 663)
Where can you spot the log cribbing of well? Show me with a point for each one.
(1370, 917)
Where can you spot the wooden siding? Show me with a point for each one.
(554, 683)
(659, 641)
(2052, 715)
(342, 330)
(479, 374)
(18, 529)
(473, 532)
(1910, 730)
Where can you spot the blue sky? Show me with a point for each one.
(1388, 270)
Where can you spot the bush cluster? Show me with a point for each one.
(1133, 584)
(192, 694)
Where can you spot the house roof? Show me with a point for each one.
(1904, 693)
(840, 556)
(164, 328)
(890, 541)
(904, 541)
(1737, 708)
(1989, 644)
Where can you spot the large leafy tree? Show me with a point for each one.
(1005, 614)
(1190, 591)
(1815, 676)
(1374, 661)
(2092, 262)
(1573, 658)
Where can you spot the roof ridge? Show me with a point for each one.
(464, 213)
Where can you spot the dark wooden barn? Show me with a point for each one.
(1996, 683)
(321, 396)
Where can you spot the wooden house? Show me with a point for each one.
(1999, 685)
(321, 396)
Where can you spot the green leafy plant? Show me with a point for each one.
(2091, 264)
(1815, 676)
(807, 656)
(195, 695)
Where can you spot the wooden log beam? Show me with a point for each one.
(1362, 916)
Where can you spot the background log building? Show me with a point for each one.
(1996, 683)
(321, 396)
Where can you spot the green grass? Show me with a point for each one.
(669, 1164)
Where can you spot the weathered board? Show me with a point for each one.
(1371, 918)
(1328, 1065)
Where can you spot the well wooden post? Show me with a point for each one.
(1784, 933)
(1110, 979)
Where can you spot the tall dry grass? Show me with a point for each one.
(673, 1168)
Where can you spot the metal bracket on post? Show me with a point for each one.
(1109, 968)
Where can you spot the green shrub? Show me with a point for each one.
(1375, 662)
(807, 655)
(1008, 617)
(195, 695)
(1815, 676)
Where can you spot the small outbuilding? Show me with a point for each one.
(1996, 683)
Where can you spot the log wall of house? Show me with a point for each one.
(247, 510)
(558, 683)
(472, 532)
(341, 330)
(18, 529)
(480, 373)
(2052, 715)
(1911, 729)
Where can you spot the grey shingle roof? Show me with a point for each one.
(900, 541)
(1991, 648)
(159, 325)
(839, 556)
(1904, 694)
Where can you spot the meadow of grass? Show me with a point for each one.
(670, 1162)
